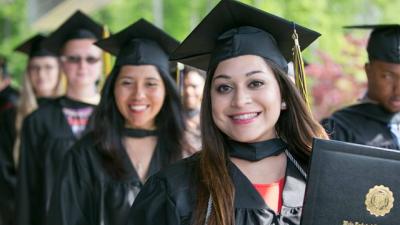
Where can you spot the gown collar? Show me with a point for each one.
(72, 103)
(246, 196)
(256, 151)
(139, 133)
(374, 111)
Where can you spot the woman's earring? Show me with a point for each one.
(283, 106)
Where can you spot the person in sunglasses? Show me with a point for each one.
(256, 128)
(138, 129)
(41, 82)
(50, 131)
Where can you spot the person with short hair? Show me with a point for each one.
(8, 95)
(375, 119)
(193, 85)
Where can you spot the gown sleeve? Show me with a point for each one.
(71, 194)
(337, 130)
(7, 167)
(154, 205)
(30, 207)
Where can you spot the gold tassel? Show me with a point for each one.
(299, 73)
(106, 58)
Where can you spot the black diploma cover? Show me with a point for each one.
(351, 184)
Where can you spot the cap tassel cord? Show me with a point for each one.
(106, 57)
(299, 72)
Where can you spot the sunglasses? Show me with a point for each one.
(73, 59)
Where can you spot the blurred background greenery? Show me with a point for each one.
(336, 60)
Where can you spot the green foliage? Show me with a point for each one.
(13, 29)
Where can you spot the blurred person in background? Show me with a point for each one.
(193, 85)
(49, 132)
(41, 81)
(375, 119)
(138, 129)
(8, 95)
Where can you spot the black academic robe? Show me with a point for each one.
(8, 98)
(8, 173)
(85, 193)
(46, 137)
(365, 123)
(8, 176)
(169, 197)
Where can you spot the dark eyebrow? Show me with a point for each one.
(253, 72)
(222, 76)
(152, 78)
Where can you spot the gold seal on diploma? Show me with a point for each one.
(379, 200)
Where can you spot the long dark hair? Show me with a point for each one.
(295, 125)
(109, 124)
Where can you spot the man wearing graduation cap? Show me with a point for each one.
(51, 130)
(375, 120)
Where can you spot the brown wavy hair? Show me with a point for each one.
(295, 125)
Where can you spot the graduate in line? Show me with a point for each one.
(193, 85)
(8, 95)
(49, 132)
(138, 129)
(256, 128)
(375, 119)
(41, 82)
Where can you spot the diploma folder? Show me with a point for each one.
(351, 184)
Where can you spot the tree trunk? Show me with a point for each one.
(158, 13)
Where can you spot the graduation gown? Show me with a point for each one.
(46, 137)
(85, 193)
(8, 98)
(8, 176)
(364, 123)
(8, 173)
(169, 197)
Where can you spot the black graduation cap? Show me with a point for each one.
(383, 43)
(33, 47)
(77, 26)
(233, 29)
(141, 43)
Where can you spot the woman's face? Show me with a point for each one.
(139, 93)
(245, 99)
(43, 72)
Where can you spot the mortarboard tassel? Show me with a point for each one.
(299, 72)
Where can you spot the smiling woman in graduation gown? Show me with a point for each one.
(49, 132)
(256, 128)
(138, 129)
